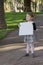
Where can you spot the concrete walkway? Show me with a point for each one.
(13, 54)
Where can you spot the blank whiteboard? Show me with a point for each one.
(26, 28)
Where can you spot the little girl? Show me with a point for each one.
(29, 39)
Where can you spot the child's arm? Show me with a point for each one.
(34, 26)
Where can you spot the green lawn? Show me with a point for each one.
(12, 20)
(3, 33)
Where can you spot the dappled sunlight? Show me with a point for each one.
(14, 21)
(12, 24)
(41, 39)
(39, 48)
(9, 29)
(11, 47)
(36, 48)
(12, 37)
(41, 26)
(17, 46)
(37, 29)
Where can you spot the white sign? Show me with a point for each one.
(26, 28)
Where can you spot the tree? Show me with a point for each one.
(2, 17)
(27, 5)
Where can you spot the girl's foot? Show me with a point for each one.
(33, 55)
(27, 55)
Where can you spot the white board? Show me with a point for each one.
(26, 28)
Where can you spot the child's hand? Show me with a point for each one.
(19, 25)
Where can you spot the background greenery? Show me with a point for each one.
(12, 20)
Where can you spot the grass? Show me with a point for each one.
(3, 33)
(12, 20)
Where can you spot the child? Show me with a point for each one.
(29, 39)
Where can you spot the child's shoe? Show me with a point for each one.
(27, 55)
(33, 55)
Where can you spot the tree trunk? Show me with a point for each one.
(27, 5)
(2, 17)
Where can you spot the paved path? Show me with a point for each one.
(13, 54)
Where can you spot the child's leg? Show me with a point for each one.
(32, 48)
(27, 48)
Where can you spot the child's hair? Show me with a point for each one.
(31, 14)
